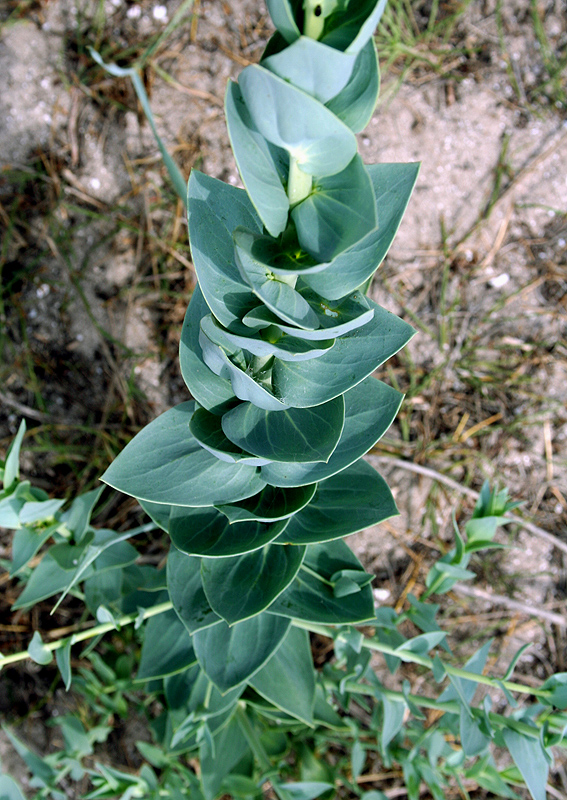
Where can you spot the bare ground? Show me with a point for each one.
(96, 274)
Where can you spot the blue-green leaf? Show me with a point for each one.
(421, 645)
(473, 739)
(282, 256)
(215, 210)
(355, 356)
(392, 720)
(158, 513)
(38, 652)
(334, 320)
(295, 435)
(10, 511)
(77, 518)
(177, 178)
(487, 776)
(531, 759)
(229, 741)
(186, 591)
(276, 342)
(338, 213)
(281, 299)
(289, 118)
(39, 767)
(350, 31)
(311, 596)
(167, 647)
(207, 532)
(39, 511)
(317, 69)
(259, 163)
(302, 790)
(207, 430)
(9, 789)
(468, 687)
(245, 647)
(240, 587)
(192, 691)
(557, 686)
(247, 384)
(392, 186)
(283, 18)
(369, 411)
(357, 759)
(11, 471)
(63, 658)
(288, 679)
(355, 104)
(272, 504)
(47, 579)
(25, 544)
(346, 503)
(164, 463)
(208, 389)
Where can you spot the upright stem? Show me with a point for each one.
(299, 183)
(313, 19)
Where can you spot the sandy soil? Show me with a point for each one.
(95, 254)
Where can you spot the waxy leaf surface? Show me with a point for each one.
(258, 162)
(392, 186)
(292, 119)
(208, 389)
(245, 648)
(295, 435)
(167, 647)
(207, 532)
(355, 356)
(186, 592)
(370, 409)
(335, 319)
(215, 210)
(319, 70)
(206, 428)
(355, 104)
(343, 504)
(351, 31)
(288, 348)
(241, 587)
(191, 691)
(244, 385)
(283, 18)
(311, 597)
(164, 463)
(339, 212)
(288, 679)
(273, 503)
(275, 293)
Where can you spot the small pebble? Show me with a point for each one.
(499, 280)
(159, 13)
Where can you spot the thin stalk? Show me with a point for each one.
(258, 749)
(448, 706)
(299, 183)
(252, 737)
(425, 661)
(314, 21)
(90, 633)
